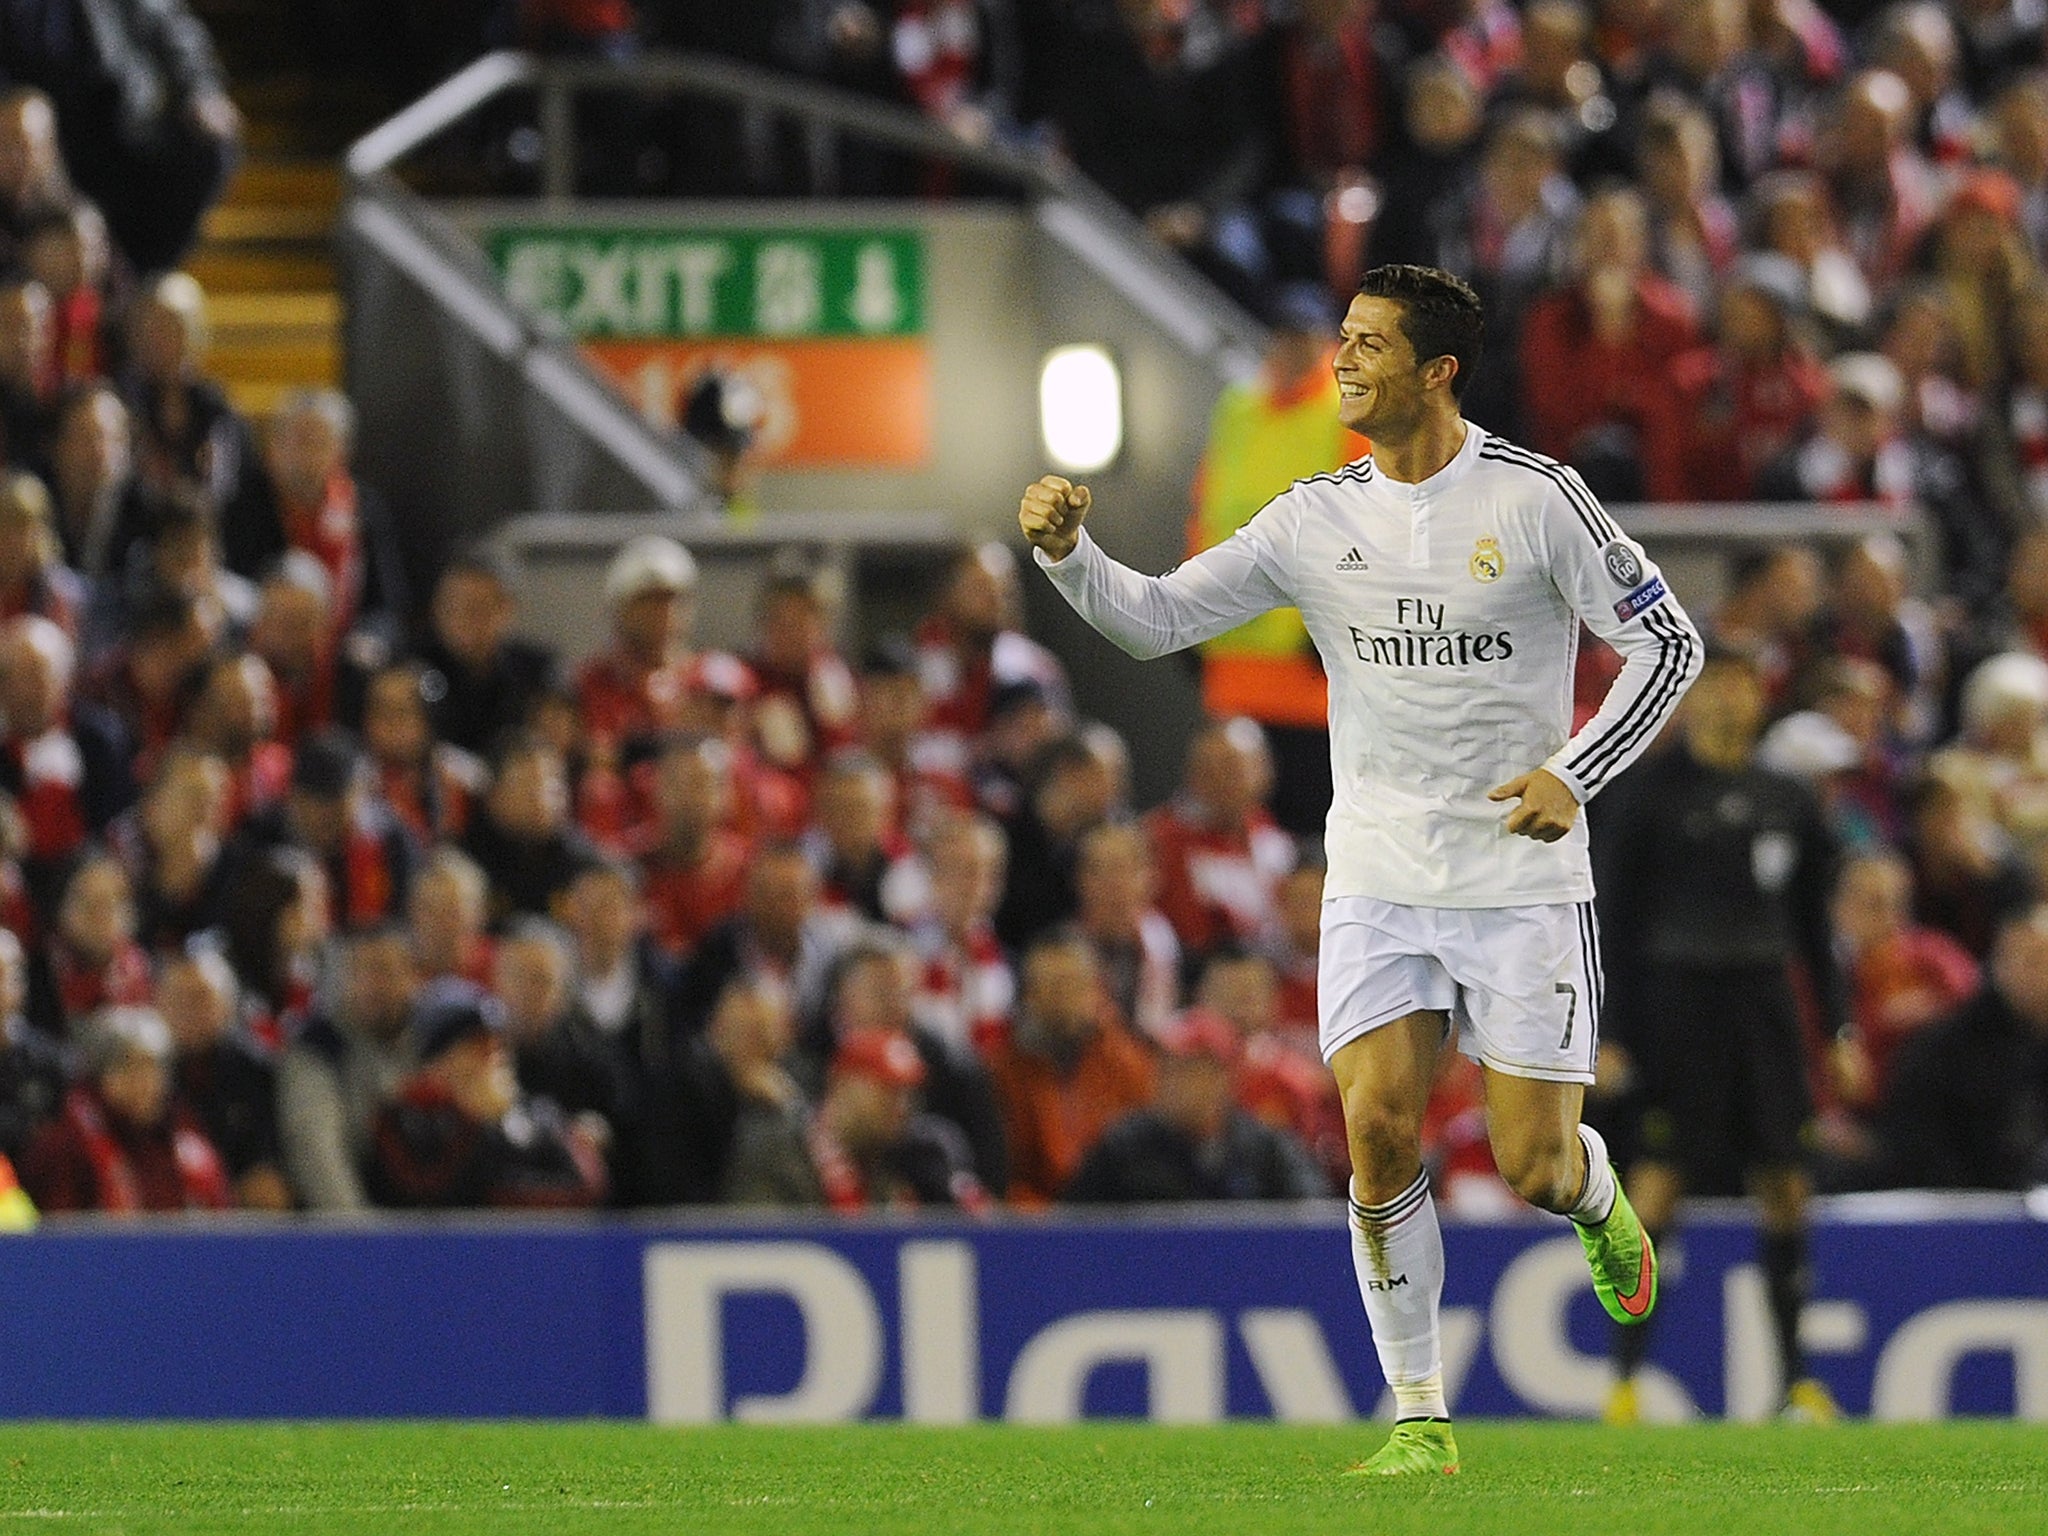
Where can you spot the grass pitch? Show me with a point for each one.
(1964, 1479)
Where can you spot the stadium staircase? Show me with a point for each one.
(266, 252)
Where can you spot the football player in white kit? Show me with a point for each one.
(1443, 578)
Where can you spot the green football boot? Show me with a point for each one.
(1623, 1262)
(1417, 1445)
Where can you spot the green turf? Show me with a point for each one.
(1098, 1480)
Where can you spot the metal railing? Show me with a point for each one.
(1070, 207)
(577, 444)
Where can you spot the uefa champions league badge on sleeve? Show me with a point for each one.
(1489, 562)
(1623, 565)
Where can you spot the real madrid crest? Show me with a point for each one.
(1488, 563)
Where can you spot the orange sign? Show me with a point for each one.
(831, 402)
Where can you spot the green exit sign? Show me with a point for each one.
(763, 284)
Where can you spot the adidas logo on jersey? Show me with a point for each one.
(1353, 561)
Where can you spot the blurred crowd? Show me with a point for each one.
(1785, 249)
(320, 893)
(303, 918)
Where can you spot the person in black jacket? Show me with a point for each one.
(480, 680)
(459, 1132)
(142, 111)
(225, 1075)
(779, 936)
(1194, 1143)
(366, 853)
(1968, 1103)
(555, 1055)
(624, 996)
(1164, 108)
(188, 435)
(1068, 791)
(1714, 879)
(524, 839)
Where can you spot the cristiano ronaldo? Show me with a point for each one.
(1443, 578)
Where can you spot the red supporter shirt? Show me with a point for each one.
(84, 988)
(937, 47)
(1572, 381)
(331, 533)
(45, 777)
(1334, 96)
(1902, 985)
(1216, 885)
(929, 785)
(960, 689)
(85, 1160)
(686, 901)
(621, 699)
(1454, 1141)
(76, 334)
(1282, 1084)
(43, 597)
(434, 802)
(800, 720)
(257, 782)
(1729, 419)
(1297, 1006)
(305, 702)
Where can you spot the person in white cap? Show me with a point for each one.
(636, 688)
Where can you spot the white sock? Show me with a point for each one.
(1398, 1251)
(1596, 1200)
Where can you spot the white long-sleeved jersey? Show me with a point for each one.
(1447, 616)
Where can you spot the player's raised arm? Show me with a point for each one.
(1618, 593)
(1244, 576)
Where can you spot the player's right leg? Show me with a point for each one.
(1384, 1000)
(1384, 1078)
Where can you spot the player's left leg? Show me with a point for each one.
(1529, 1010)
(1556, 1163)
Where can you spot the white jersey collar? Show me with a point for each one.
(1461, 461)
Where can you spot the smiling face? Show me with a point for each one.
(1382, 386)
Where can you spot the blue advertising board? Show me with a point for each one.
(1918, 1314)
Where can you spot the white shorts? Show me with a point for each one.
(1521, 984)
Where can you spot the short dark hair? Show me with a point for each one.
(1440, 314)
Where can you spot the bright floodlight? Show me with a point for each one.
(1080, 408)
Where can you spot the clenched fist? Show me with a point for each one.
(1052, 514)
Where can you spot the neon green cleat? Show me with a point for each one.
(1417, 1445)
(1623, 1262)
